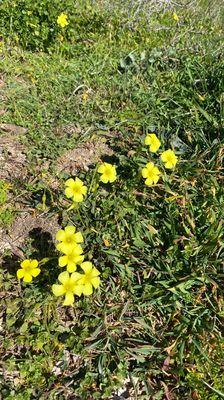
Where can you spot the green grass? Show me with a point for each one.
(158, 316)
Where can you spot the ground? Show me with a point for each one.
(154, 328)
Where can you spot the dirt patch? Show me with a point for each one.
(2, 83)
(11, 128)
(12, 158)
(23, 225)
(82, 157)
(70, 130)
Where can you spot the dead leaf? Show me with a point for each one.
(2, 112)
(171, 347)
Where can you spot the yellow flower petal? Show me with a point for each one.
(95, 272)
(71, 267)
(20, 273)
(95, 282)
(79, 260)
(149, 182)
(25, 264)
(35, 272)
(104, 179)
(84, 190)
(76, 276)
(69, 299)
(156, 171)
(79, 237)
(144, 172)
(112, 179)
(147, 140)
(69, 230)
(155, 179)
(58, 290)
(149, 166)
(78, 181)
(87, 266)
(70, 182)
(77, 198)
(27, 277)
(69, 192)
(62, 261)
(60, 235)
(87, 289)
(169, 165)
(77, 249)
(101, 169)
(64, 248)
(78, 290)
(63, 277)
(34, 263)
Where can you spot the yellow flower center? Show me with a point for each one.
(68, 240)
(69, 286)
(70, 257)
(76, 189)
(170, 158)
(27, 268)
(151, 174)
(108, 172)
(87, 278)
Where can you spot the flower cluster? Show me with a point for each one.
(73, 282)
(69, 241)
(75, 188)
(150, 172)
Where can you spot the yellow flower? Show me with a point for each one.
(62, 20)
(108, 172)
(175, 17)
(29, 269)
(68, 238)
(151, 174)
(75, 189)
(69, 286)
(153, 142)
(72, 258)
(169, 158)
(90, 278)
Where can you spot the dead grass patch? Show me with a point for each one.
(21, 228)
(12, 158)
(82, 157)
